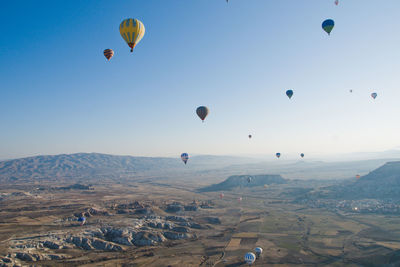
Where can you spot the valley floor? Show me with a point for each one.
(128, 225)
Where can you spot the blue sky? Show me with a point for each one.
(60, 95)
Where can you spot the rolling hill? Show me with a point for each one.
(381, 183)
(96, 165)
(242, 181)
(79, 165)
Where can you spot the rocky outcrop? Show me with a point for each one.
(176, 236)
(148, 239)
(160, 225)
(177, 219)
(173, 208)
(26, 257)
(36, 257)
(147, 231)
(93, 243)
(191, 225)
(191, 208)
(213, 220)
(143, 211)
(13, 258)
(51, 245)
(196, 226)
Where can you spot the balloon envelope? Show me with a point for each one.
(302, 155)
(184, 157)
(289, 93)
(258, 250)
(249, 258)
(358, 176)
(374, 95)
(132, 31)
(202, 112)
(278, 155)
(328, 25)
(108, 53)
(250, 136)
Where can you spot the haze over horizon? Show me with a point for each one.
(393, 154)
(59, 95)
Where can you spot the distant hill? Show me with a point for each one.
(242, 181)
(96, 165)
(382, 183)
(79, 165)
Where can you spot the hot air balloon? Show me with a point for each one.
(289, 93)
(202, 112)
(302, 155)
(221, 196)
(351, 91)
(258, 251)
(278, 155)
(240, 199)
(82, 220)
(374, 95)
(328, 25)
(184, 157)
(265, 186)
(336, 2)
(108, 53)
(132, 30)
(358, 176)
(249, 258)
(250, 136)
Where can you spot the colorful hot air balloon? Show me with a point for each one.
(108, 53)
(302, 155)
(202, 112)
(82, 220)
(221, 196)
(358, 176)
(249, 258)
(278, 155)
(132, 30)
(328, 25)
(258, 251)
(336, 2)
(184, 157)
(289, 93)
(374, 95)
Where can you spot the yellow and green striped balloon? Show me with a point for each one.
(132, 30)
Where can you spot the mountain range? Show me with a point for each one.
(82, 166)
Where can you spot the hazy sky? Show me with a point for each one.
(60, 95)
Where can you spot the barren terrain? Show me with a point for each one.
(165, 224)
